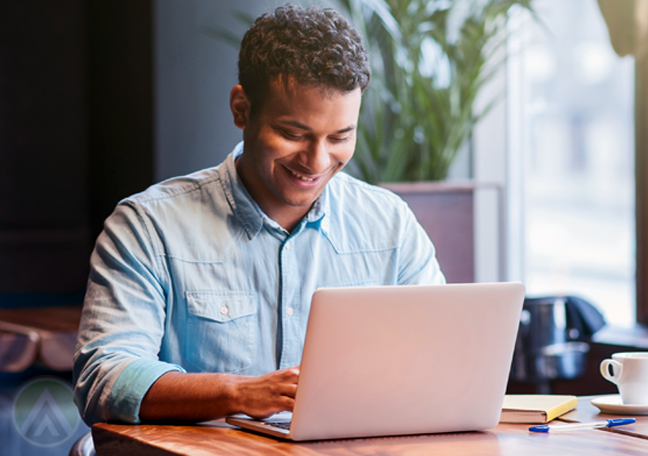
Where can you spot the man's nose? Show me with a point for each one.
(317, 158)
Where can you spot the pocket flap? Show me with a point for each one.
(221, 306)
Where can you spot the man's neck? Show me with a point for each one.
(286, 216)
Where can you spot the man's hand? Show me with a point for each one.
(260, 397)
(200, 397)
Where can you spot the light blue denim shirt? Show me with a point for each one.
(192, 276)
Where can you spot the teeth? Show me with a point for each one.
(299, 176)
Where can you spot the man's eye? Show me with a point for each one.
(290, 136)
(339, 139)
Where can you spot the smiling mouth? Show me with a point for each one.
(301, 177)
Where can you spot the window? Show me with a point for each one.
(571, 104)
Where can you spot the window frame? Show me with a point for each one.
(641, 186)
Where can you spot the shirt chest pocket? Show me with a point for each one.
(221, 330)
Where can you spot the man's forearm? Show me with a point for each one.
(189, 397)
(201, 397)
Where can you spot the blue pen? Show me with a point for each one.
(577, 426)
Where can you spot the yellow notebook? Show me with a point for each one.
(535, 408)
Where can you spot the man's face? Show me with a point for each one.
(298, 139)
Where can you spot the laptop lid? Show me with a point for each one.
(394, 360)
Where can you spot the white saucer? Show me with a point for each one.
(613, 405)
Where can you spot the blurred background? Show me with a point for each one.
(576, 110)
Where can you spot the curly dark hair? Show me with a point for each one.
(315, 46)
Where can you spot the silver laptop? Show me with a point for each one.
(396, 360)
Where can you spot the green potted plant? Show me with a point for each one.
(429, 60)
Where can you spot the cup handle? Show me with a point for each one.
(617, 370)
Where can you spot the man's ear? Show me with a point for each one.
(240, 106)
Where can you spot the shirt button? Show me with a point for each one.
(289, 311)
(288, 245)
(224, 310)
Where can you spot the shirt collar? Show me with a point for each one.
(316, 216)
(248, 211)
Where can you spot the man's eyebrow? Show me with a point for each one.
(301, 126)
(346, 130)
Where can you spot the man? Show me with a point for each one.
(200, 287)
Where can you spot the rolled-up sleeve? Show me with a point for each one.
(122, 324)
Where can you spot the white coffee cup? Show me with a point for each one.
(629, 372)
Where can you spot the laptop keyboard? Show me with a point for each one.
(280, 424)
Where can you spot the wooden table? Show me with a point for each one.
(218, 438)
(586, 412)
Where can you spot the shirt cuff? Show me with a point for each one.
(131, 386)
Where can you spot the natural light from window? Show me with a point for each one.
(577, 145)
